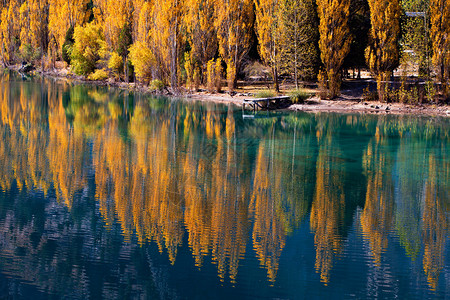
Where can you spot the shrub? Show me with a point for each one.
(265, 94)
(369, 95)
(214, 75)
(99, 75)
(157, 85)
(231, 74)
(28, 53)
(299, 96)
(143, 60)
(115, 63)
(87, 49)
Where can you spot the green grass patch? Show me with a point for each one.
(265, 94)
(299, 96)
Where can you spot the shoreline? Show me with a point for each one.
(344, 104)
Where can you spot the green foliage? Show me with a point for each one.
(414, 46)
(89, 46)
(299, 35)
(265, 94)
(157, 85)
(99, 75)
(28, 53)
(124, 41)
(299, 96)
(68, 44)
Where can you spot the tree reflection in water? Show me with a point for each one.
(164, 169)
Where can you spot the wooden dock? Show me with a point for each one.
(263, 103)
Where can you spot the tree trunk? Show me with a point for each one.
(275, 79)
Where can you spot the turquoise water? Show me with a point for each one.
(107, 194)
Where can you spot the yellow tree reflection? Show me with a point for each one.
(327, 211)
(377, 217)
(435, 220)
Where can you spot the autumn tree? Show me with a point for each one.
(440, 37)
(383, 52)
(89, 43)
(167, 36)
(299, 39)
(201, 34)
(62, 16)
(267, 14)
(9, 31)
(113, 15)
(142, 52)
(334, 42)
(33, 31)
(234, 23)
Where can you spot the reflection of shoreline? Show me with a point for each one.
(153, 177)
(313, 105)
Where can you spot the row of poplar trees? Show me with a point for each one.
(192, 40)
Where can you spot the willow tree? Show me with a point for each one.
(201, 33)
(234, 24)
(267, 13)
(334, 41)
(440, 36)
(299, 39)
(382, 53)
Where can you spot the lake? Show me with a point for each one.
(109, 194)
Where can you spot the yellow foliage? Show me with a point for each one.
(201, 32)
(88, 48)
(143, 61)
(62, 14)
(335, 39)
(383, 51)
(115, 63)
(267, 14)
(99, 75)
(214, 75)
(112, 15)
(233, 22)
(9, 30)
(440, 37)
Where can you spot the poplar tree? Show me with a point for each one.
(267, 13)
(64, 14)
(166, 32)
(383, 52)
(201, 33)
(33, 28)
(9, 31)
(142, 52)
(234, 24)
(440, 37)
(334, 42)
